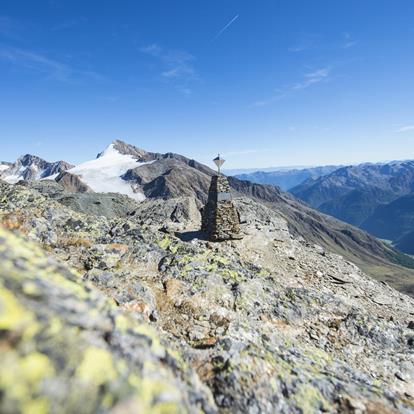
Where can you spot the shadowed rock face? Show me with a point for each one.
(150, 323)
(72, 183)
(169, 178)
(146, 156)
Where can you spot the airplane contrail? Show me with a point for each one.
(226, 27)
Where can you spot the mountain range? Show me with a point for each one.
(286, 178)
(142, 175)
(377, 198)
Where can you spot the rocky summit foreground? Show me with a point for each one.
(100, 313)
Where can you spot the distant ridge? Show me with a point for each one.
(376, 197)
(287, 178)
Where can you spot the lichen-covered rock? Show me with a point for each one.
(66, 348)
(270, 323)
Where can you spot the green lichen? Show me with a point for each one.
(230, 274)
(164, 243)
(309, 400)
(318, 359)
(263, 273)
(168, 244)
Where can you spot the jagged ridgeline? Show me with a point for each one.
(113, 303)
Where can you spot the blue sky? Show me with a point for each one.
(266, 83)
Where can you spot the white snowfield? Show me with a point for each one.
(12, 179)
(103, 174)
(3, 167)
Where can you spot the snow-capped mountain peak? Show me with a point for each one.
(30, 167)
(104, 174)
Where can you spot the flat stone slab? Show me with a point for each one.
(381, 299)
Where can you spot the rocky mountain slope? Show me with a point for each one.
(31, 167)
(147, 175)
(139, 313)
(287, 179)
(361, 188)
(396, 178)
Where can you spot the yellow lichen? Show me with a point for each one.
(36, 406)
(14, 317)
(156, 346)
(230, 274)
(35, 367)
(55, 326)
(164, 243)
(150, 391)
(96, 367)
(22, 377)
(122, 323)
(107, 401)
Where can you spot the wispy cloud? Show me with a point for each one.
(177, 66)
(312, 78)
(226, 26)
(406, 128)
(278, 96)
(305, 41)
(309, 79)
(45, 65)
(349, 41)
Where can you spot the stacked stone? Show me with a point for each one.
(220, 220)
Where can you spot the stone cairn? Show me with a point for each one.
(220, 220)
